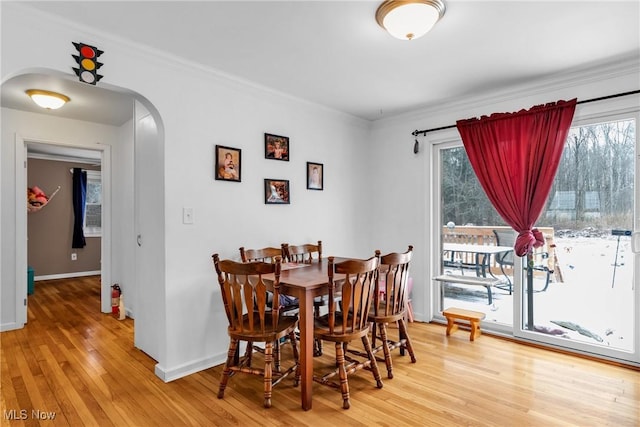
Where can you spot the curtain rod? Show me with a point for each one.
(633, 92)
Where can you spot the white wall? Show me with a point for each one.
(198, 111)
(406, 216)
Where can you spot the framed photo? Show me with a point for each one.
(315, 176)
(228, 163)
(276, 192)
(276, 147)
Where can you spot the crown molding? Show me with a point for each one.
(614, 68)
(113, 42)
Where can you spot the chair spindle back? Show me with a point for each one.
(244, 293)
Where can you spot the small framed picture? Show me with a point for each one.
(315, 176)
(228, 163)
(276, 192)
(276, 147)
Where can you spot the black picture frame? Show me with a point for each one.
(315, 176)
(276, 191)
(228, 166)
(276, 147)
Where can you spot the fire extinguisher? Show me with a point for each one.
(115, 299)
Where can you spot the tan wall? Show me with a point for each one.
(50, 230)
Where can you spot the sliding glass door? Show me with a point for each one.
(585, 290)
(467, 223)
(592, 303)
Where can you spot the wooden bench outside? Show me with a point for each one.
(487, 282)
(473, 317)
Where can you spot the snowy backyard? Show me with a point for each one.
(590, 304)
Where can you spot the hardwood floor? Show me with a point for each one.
(78, 365)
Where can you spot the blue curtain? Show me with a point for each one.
(79, 200)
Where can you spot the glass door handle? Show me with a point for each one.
(635, 242)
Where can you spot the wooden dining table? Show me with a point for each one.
(305, 282)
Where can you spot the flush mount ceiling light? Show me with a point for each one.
(409, 19)
(47, 99)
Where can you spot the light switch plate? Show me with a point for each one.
(187, 215)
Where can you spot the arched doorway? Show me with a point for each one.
(123, 260)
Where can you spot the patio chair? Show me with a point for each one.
(505, 259)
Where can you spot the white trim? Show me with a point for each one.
(66, 275)
(107, 231)
(56, 158)
(185, 369)
(21, 230)
(21, 221)
(11, 326)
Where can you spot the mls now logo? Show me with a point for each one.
(14, 414)
(23, 414)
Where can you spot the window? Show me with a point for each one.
(93, 205)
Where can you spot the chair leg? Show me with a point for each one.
(344, 383)
(296, 357)
(317, 344)
(508, 280)
(490, 295)
(406, 341)
(410, 311)
(317, 347)
(276, 356)
(268, 374)
(385, 349)
(231, 355)
(546, 284)
(248, 354)
(372, 359)
(373, 334)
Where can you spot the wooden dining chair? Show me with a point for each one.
(244, 295)
(350, 323)
(391, 305)
(288, 305)
(306, 254)
(268, 254)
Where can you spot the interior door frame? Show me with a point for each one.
(21, 221)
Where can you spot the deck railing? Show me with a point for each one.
(483, 235)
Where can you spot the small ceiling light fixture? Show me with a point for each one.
(47, 99)
(409, 19)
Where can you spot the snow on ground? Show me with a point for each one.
(590, 296)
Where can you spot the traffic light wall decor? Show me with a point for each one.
(88, 65)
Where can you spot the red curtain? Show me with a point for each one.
(515, 157)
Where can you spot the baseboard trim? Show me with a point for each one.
(168, 375)
(12, 326)
(67, 275)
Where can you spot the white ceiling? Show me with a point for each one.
(88, 103)
(333, 53)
